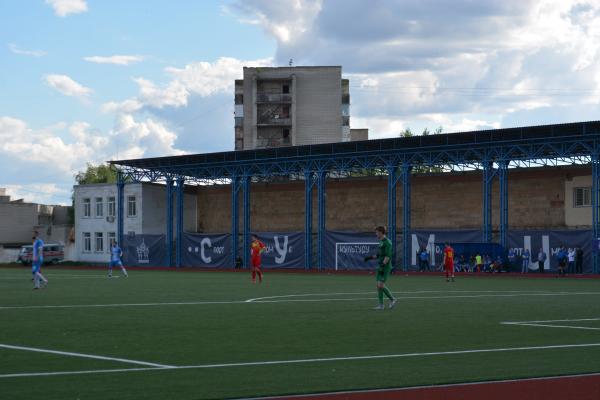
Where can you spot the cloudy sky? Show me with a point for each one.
(85, 81)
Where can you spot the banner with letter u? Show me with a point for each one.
(283, 249)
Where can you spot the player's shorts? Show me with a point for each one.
(383, 274)
(36, 266)
(256, 262)
(449, 267)
(115, 264)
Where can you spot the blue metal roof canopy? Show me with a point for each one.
(493, 151)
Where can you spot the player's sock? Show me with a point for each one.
(42, 277)
(259, 276)
(387, 292)
(36, 281)
(124, 271)
(253, 275)
(380, 295)
(110, 272)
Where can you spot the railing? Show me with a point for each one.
(273, 120)
(263, 143)
(262, 97)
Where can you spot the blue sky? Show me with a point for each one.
(93, 80)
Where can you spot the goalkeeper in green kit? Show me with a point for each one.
(384, 258)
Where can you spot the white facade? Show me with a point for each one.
(578, 215)
(144, 212)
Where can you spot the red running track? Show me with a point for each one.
(576, 387)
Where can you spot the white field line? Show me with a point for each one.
(546, 324)
(287, 299)
(27, 275)
(308, 360)
(92, 356)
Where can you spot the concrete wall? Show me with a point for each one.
(449, 201)
(18, 220)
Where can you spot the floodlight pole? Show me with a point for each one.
(392, 186)
(503, 175)
(488, 178)
(235, 223)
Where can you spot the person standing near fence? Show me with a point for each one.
(256, 249)
(579, 261)
(449, 262)
(571, 257)
(384, 260)
(526, 257)
(424, 260)
(541, 258)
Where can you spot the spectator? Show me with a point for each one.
(497, 265)
(478, 262)
(571, 257)
(510, 259)
(579, 261)
(561, 257)
(487, 263)
(541, 260)
(526, 258)
(423, 260)
(462, 264)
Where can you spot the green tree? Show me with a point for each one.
(103, 173)
(406, 133)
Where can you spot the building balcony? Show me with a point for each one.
(262, 97)
(265, 143)
(274, 120)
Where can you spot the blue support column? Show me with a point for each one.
(321, 176)
(235, 223)
(392, 186)
(246, 180)
(406, 236)
(308, 188)
(120, 207)
(503, 175)
(180, 209)
(488, 178)
(595, 208)
(169, 221)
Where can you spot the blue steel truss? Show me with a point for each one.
(494, 152)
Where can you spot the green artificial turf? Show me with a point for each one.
(305, 316)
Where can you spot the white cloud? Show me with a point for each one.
(62, 8)
(55, 154)
(116, 59)
(41, 193)
(33, 53)
(67, 86)
(473, 63)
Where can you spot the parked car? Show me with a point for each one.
(53, 253)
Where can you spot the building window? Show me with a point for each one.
(87, 242)
(285, 89)
(99, 207)
(111, 237)
(87, 208)
(99, 242)
(111, 207)
(131, 206)
(582, 197)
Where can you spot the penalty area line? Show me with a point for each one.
(158, 367)
(82, 355)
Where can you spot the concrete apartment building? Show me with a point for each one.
(144, 212)
(292, 106)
